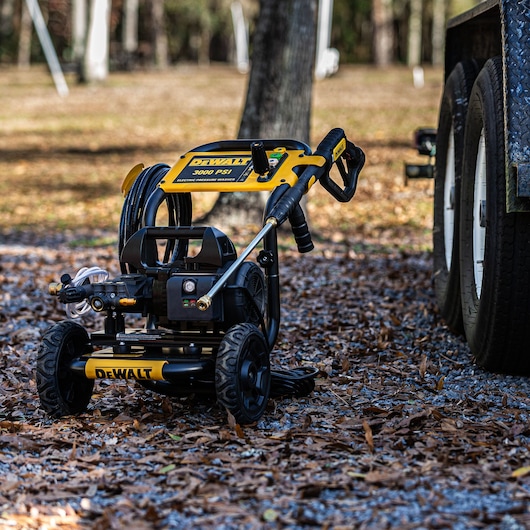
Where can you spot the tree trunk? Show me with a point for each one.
(240, 37)
(383, 32)
(438, 31)
(130, 31)
(7, 13)
(96, 60)
(159, 34)
(205, 37)
(278, 100)
(79, 30)
(414, 40)
(278, 103)
(24, 41)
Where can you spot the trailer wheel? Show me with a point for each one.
(61, 391)
(242, 373)
(495, 255)
(449, 153)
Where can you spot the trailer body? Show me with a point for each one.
(481, 149)
(501, 28)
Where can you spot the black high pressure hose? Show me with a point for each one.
(297, 382)
(179, 209)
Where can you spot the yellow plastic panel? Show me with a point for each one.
(233, 171)
(130, 178)
(97, 368)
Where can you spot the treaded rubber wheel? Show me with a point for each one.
(449, 154)
(61, 391)
(246, 297)
(242, 373)
(494, 249)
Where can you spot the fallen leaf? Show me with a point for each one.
(423, 366)
(521, 472)
(167, 469)
(270, 515)
(368, 435)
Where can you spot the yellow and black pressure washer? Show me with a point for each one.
(211, 317)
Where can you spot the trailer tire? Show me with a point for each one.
(494, 249)
(449, 154)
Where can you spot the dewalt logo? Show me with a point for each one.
(209, 170)
(123, 373)
(220, 161)
(96, 368)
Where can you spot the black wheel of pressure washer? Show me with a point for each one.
(495, 255)
(242, 373)
(176, 207)
(61, 391)
(246, 296)
(449, 154)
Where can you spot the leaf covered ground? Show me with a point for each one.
(402, 430)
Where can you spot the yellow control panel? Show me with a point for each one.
(225, 171)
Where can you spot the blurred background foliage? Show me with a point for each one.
(201, 31)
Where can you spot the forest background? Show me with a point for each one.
(144, 33)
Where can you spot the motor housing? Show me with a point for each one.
(169, 291)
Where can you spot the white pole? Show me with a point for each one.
(96, 59)
(326, 61)
(47, 46)
(241, 37)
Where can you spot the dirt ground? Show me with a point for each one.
(64, 159)
(403, 430)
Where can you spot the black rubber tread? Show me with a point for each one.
(243, 344)
(245, 299)
(453, 111)
(496, 325)
(62, 392)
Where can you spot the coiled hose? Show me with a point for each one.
(84, 275)
(178, 207)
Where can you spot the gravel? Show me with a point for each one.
(403, 430)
